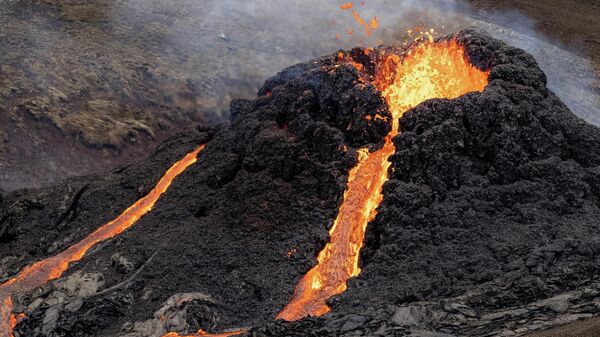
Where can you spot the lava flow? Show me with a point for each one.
(202, 333)
(429, 70)
(42, 272)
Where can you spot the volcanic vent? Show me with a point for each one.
(474, 188)
(427, 70)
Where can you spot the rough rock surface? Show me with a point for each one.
(86, 86)
(258, 202)
(488, 224)
(107, 81)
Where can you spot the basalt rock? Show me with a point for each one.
(242, 225)
(488, 223)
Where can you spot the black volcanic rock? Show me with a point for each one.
(492, 206)
(241, 226)
(489, 221)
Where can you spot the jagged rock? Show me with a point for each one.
(459, 308)
(410, 316)
(426, 333)
(79, 284)
(173, 316)
(123, 264)
(558, 304)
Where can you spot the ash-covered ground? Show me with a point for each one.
(488, 226)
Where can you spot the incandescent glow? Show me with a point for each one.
(42, 272)
(202, 333)
(429, 70)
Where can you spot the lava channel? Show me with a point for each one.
(42, 272)
(202, 333)
(428, 70)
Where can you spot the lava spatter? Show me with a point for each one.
(429, 70)
(51, 268)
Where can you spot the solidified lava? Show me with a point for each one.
(487, 222)
(41, 272)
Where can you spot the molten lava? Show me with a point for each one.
(42, 272)
(429, 70)
(202, 333)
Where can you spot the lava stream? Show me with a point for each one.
(42, 272)
(202, 333)
(429, 70)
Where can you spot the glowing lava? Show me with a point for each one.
(429, 70)
(42, 272)
(202, 333)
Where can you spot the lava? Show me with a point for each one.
(202, 333)
(347, 5)
(429, 70)
(42, 272)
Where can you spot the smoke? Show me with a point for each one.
(113, 73)
(238, 44)
(225, 49)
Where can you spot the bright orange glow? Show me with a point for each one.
(14, 319)
(368, 26)
(374, 23)
(430, 70)
(347, 5)
(202, 333)
(42, 272)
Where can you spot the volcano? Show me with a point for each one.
(434, 189)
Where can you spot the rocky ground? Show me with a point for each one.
(573, 22)
(86, 86)
(488, 224)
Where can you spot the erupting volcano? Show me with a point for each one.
(438, 166)
(429, 70)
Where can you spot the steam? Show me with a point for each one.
(245, 42)
(226, 49)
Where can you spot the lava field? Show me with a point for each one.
(438, 189)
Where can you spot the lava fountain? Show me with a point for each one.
(42, 272)
(428, 70)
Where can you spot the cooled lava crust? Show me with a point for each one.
(492, 208)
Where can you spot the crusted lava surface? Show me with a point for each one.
(488, 225)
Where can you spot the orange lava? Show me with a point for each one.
(368, 26)
(429, 70)
(347, 5)
(42, 272)
(202, 333)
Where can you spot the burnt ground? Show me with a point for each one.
(86, 86)
(489, 222)
(574, 23)
(268, 183)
